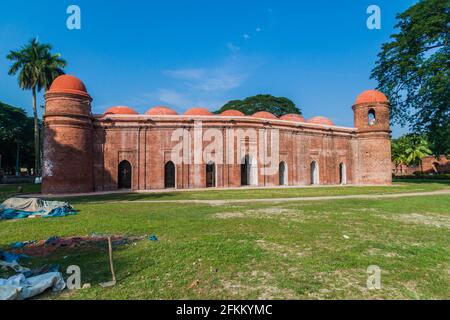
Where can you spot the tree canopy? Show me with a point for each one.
(262, 102)
(409, 149)
(16, 131)
(413, 69)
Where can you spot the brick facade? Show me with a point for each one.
(82, 152)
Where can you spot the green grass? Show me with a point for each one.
(294, 250)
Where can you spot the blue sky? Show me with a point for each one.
(205, 53)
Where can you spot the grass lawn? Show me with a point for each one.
(293, 250)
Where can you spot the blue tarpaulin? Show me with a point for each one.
(19, 208)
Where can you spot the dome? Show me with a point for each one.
(198, 112)
(68, 84)
(293, 117)
(371, 96)
(264, 115)
(232, 113)
(120, 110)
(161, 111)
(321, 120)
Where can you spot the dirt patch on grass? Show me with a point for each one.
(429, 220)
(266, 213)
(380, 252)
(283, 250)
(255, 283)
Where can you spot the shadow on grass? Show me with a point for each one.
(422, 181)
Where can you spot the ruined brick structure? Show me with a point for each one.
(123, 149)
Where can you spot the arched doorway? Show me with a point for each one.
(249, 171)
(314, 168)
(169, 175)
(342, 173)
(245, 168)
(210, 175)
(282, 172)
(124, 175)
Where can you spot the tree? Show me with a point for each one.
(262, 102)
(16, 138)
(414, 71)
(409, 149)
(37, 67)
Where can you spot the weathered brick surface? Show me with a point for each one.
(82, 152)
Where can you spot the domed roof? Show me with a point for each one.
(198, 112)
(161, 111)
(293, 117)
(120, 110)
(321, 120)
(264, 115)
(371, 96)
(68, 84)
(232, 113)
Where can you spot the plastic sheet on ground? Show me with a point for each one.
(19, 287)
(19, 208)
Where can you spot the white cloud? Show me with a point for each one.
(174, 98)
(221, 78)
(233, 48)
(258, 29)
(246, 36)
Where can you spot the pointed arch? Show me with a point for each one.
(125, 174)
(169, 175)
(283, 174)
(314, 172)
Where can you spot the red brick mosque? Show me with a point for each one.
(121, 149)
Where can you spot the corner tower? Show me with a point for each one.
(67, 156)
(371, 113)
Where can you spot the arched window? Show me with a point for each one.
(342, 173)
(314, 169)
(283, 174)
(169, 175)
(124, 175)
(372, 117)
(249, 171)
(210, 175)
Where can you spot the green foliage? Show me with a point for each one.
(262, 102)
(414, 71)
(409, 149)
(36, 67)
(16, 131)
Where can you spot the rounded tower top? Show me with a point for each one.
(371, 96)
(371, 112)
(68, 84)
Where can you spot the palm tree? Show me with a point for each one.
(417, 150)
(37, 67)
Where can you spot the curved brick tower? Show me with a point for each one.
(67, 164)
(371, 112)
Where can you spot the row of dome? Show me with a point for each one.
(72, 85)
(165, 111)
